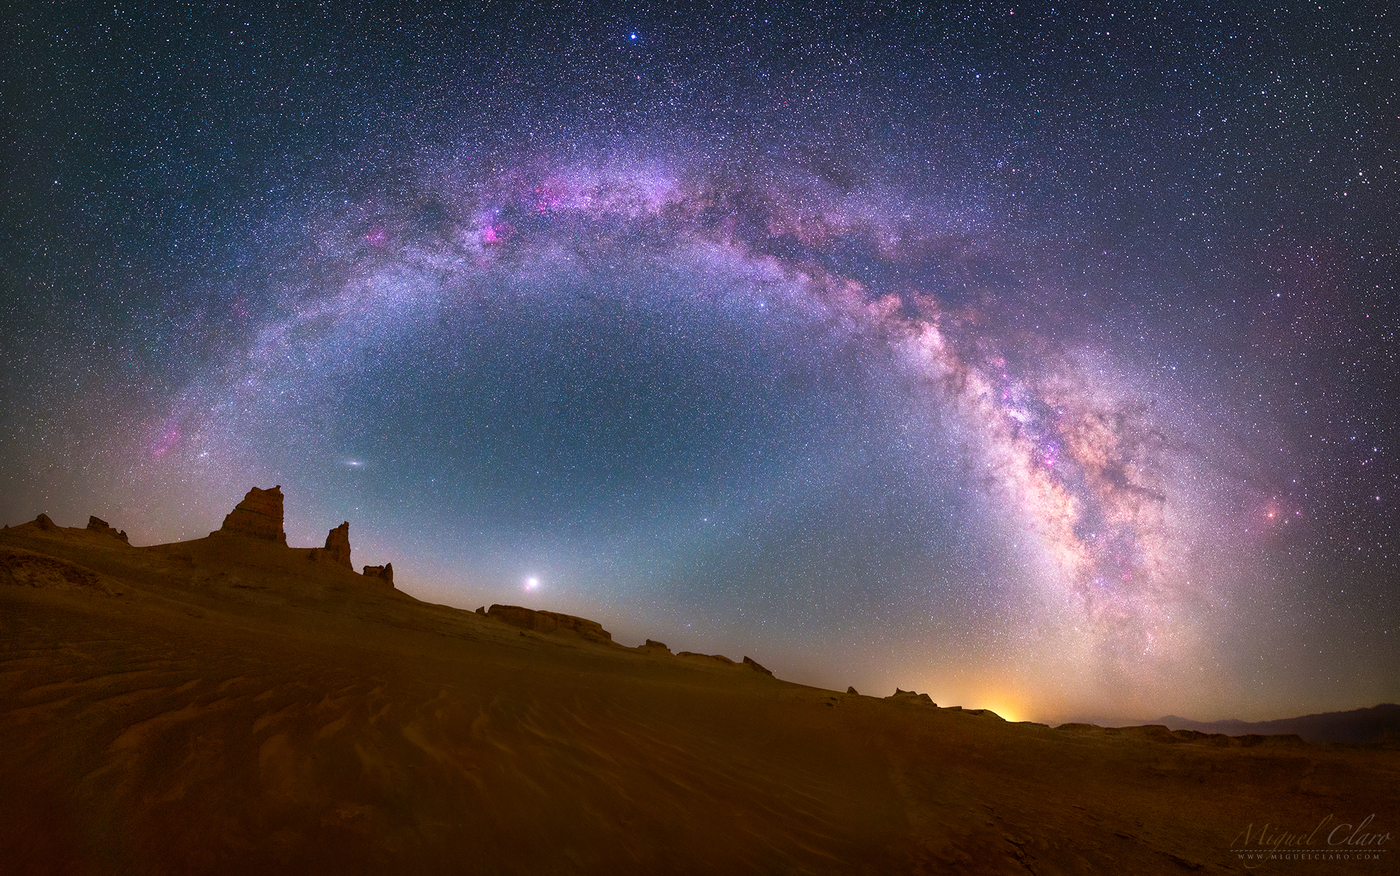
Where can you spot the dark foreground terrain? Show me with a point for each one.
(231, 705)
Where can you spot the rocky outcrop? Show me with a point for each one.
(746, 663)
(338, 546)
(548, 622)
(852, 690)
(716, 658)
(40, 524)
(911, 696)
(24, 568)
(97, 524)
(383, 574)
(653, 645)
(756, 667)
(987, 713)
(258, 516)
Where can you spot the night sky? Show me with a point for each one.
(1038, 358)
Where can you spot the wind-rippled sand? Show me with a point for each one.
(227, 707)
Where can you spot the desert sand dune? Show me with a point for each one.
(232, 705)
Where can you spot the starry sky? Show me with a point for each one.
(1042, 358)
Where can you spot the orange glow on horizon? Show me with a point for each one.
(1003, 705)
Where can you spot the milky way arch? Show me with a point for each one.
(1095, 486)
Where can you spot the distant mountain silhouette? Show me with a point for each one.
(1376, 724)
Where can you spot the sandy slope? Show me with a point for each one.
(226, 706)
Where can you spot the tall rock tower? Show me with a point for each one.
(338, 545)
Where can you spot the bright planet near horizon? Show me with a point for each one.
(1038, 358)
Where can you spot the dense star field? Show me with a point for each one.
(1041, 359)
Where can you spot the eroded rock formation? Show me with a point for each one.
(548, 622)
(715, 658)
(259, 516)
(911, 696)
(756, 666)
(29, 569)
(97, 524)
(384, 574)
(338, 546)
